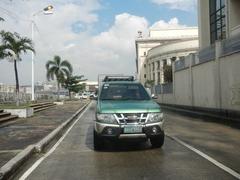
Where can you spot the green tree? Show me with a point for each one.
(12, 46)
(72, 84)
(58, 69)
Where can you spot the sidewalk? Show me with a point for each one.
(19, 134)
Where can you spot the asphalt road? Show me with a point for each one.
(74, 158)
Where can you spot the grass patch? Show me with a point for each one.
(13, 106)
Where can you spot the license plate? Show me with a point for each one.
(132, 129)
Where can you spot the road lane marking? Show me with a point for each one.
(11, 151)
(205, 156)
(39, 161)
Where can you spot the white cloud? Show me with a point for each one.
(120, 37)
(111, 51)
(185, 5)
(172, 23)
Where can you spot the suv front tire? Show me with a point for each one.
(157, 141)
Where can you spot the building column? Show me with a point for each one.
(192, 57)
(218, 86)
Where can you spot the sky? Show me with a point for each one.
(95, 36)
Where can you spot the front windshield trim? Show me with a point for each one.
(124, 92)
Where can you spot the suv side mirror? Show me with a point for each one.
(154, 96)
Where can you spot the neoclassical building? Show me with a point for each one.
(161, 48)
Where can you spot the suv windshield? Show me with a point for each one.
(123, 92)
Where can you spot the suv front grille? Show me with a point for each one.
(131, 118)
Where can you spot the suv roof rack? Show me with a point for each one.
(118, 78)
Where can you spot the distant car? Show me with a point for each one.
(78, 96)
(126, 111)
(84, 95)
(93, 96)
(81, 96)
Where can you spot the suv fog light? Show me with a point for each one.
(154, 130)
(109, 131)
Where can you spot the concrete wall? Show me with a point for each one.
(182, 87)
(230, 82)
(204, 88)
(214, 84)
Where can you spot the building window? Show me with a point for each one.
(144, 65)
(154, 77)
(158, 79)
(164, 62)
(217, 20)
(144, 53)
(145, 76)
(153, 66)
(158, 65)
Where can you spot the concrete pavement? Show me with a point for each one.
(17, 135)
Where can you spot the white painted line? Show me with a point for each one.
(11, 151)
(38, 162)
(205, 156)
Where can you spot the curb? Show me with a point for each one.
(12, 165)
(15, 162)
(39, 147)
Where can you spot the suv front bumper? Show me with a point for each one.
(116, 131)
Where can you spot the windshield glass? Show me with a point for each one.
(123, 92)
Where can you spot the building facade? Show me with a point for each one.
(218, 20)
(210, 79)
(160, 48)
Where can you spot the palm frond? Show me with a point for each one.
(67, 64)
(66, 72)
(57, 60)
(51, 72)
(50, 63)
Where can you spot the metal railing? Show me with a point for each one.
(180, 64)
(164, 88)
(231, 45)
(6, 97)
(207, 54)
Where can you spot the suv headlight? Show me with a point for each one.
(106, 118)
(155, 117)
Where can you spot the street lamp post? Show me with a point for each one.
(47, 10)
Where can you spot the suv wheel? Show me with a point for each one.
(157, 141)
(97, 141)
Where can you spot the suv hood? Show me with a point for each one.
(127, 106)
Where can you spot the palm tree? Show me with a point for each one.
(13, 45)
(72, 83)
(61, 70)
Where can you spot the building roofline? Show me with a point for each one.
(174, 42)
(154, 39)
(176, 28)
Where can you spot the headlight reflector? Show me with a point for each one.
(155, 117)
(106, 118)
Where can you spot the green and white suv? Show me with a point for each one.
(126, 111)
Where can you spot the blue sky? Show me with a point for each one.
(96, 36)
(144, 8)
